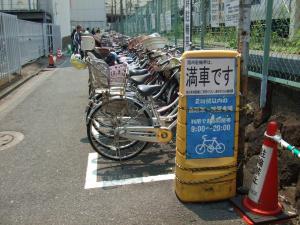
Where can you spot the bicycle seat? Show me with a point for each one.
(140, 79)
(135, 72)
(148, 90)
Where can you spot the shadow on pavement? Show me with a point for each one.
(223, 210)
(84, 140)
(156, 159)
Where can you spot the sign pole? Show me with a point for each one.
(243, 48)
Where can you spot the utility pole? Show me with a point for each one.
(243, 48)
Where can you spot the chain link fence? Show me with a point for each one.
(211, 29)
(23, 41)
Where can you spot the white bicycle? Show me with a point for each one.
(209, 146)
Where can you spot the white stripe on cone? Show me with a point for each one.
(260, 175)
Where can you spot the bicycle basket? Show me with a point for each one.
(98, 72)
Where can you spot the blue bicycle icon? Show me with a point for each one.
(209, 146)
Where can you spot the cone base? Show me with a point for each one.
(253, 218)
(249, 205)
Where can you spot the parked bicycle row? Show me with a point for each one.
(133, 94)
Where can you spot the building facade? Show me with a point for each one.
(88, 13)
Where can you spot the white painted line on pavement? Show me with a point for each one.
(91, 171)
(91, 176)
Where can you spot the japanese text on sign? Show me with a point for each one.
(210, 76)
(153, 21)
(145, 23)
(261, 172)
(231, 11)
(162, 22)
(168, 19)
(208, 118)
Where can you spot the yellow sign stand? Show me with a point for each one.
(207, 172)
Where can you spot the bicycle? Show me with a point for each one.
(124, 119)
(209, 146)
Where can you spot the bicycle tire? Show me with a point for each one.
(103, 142)
(200, 147)
(173, 92)
(222, 146)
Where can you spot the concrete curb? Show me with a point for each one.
(14, 86)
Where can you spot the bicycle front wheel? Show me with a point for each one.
(106, 118)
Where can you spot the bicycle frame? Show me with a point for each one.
(155, 133)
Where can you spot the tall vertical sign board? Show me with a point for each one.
(187, 25)
(215, 13)
(231, 11)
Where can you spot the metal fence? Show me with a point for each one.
(31, 40)
(212, 29)
(23, 41)
(9, 45)
(52, 38)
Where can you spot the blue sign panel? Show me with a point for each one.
(210, 88)
(210, 126)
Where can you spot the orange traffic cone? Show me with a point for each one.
(51, 60)
(263, 195)
(261, 205)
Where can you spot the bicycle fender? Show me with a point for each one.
(97, 106)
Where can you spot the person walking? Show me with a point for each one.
(72, 40)
(77, 39)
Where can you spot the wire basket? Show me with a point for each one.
(98, 72)
(102, 76)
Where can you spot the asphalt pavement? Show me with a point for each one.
(43, 178)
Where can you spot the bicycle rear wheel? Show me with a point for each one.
(106, 118)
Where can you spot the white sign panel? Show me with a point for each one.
(215, 13)
(207, 76)
(231, 11)
(168, 20)
(162, 22)
(187, 24)
(117, 74)
(263, 163)
(145, 24)
(153, 21)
